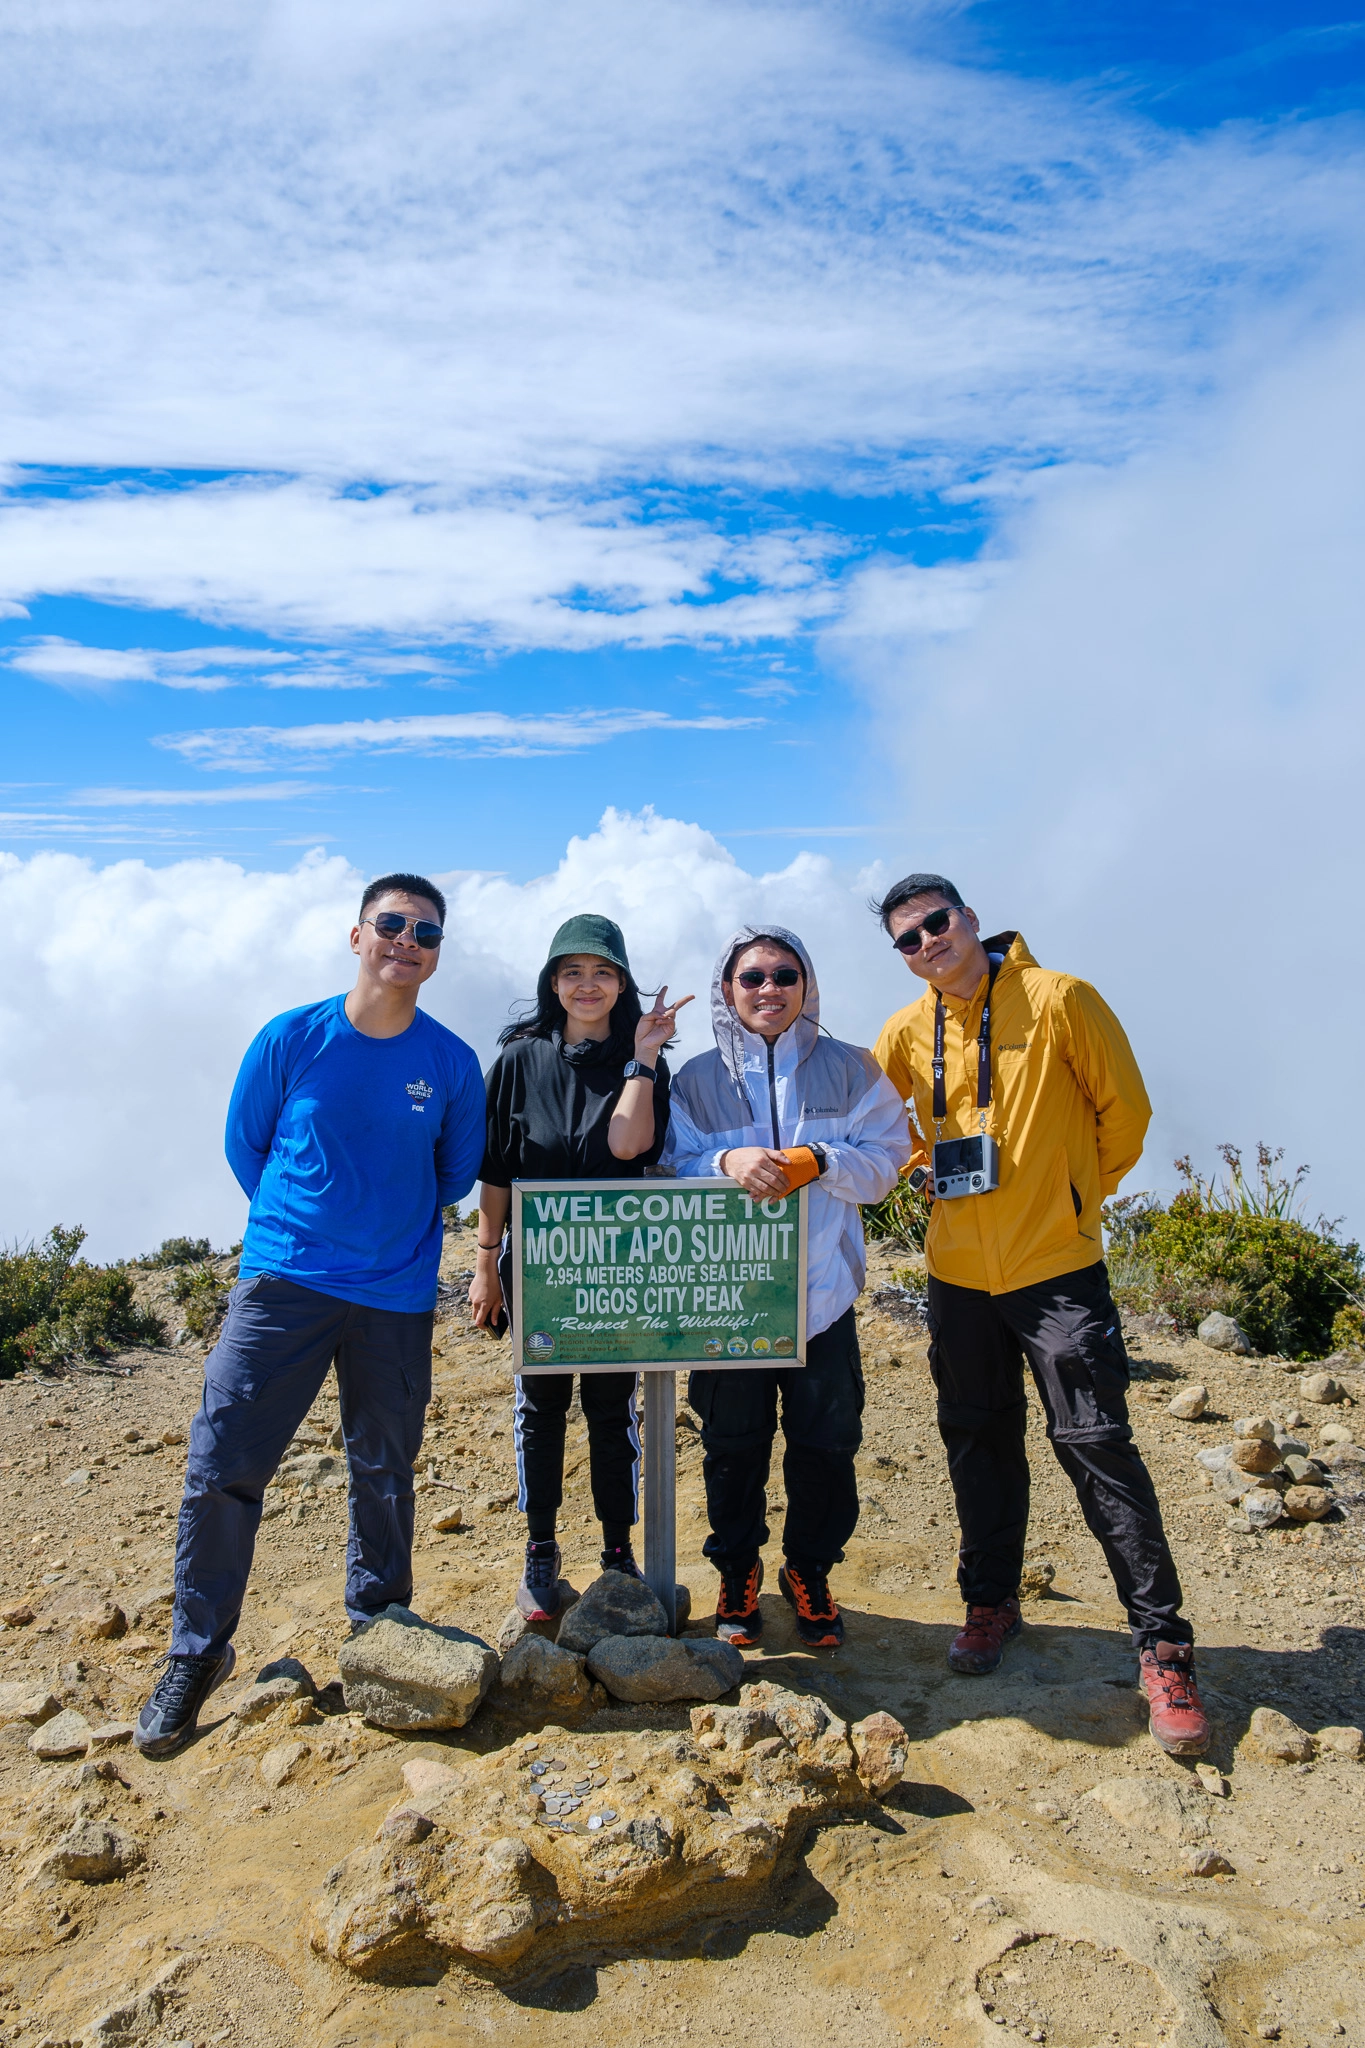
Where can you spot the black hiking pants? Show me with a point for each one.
(1067, 1332)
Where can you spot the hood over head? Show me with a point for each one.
(731, 1037)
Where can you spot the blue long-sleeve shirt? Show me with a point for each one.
(349, 1147)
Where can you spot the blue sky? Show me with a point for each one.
(718, 465)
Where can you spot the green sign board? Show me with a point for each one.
(656, 1275)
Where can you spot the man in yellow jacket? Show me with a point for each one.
(1035, 1060)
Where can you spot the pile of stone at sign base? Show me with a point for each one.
(1268, 1473)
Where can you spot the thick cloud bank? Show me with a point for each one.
(139, 988)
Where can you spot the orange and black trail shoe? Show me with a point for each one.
(818, 1621)
(738, 1620)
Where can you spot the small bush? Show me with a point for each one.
(179, 1251)
(1240, 1246)
(203, 1296)
(1348, 1327)
(54, 1305)
(902, 1217)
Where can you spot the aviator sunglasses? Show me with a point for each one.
(390, 925)
(781, 977)
(912, 938)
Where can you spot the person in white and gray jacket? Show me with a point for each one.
(777, 1106)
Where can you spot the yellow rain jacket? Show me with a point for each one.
(1068, 1111)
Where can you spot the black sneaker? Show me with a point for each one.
(538, 1593)
(622, 1560)
(171, 1715)
(738, 1619)
(818, 1621)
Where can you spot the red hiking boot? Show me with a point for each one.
(818, 1620)
(1177, 1719)
(738, 1620)
(981, 1644)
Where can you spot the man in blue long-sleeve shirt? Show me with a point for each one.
(353, 1122)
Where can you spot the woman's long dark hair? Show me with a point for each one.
(547, 1014)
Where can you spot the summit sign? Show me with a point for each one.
(661, 1275)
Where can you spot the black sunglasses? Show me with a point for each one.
(911, 939)
(391, 925)
(781, 977)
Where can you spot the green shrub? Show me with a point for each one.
(1348, 1327)
(203, 1295)
(1240, 1246)
(179, 1251)
(54, 1305)
(902, 1217)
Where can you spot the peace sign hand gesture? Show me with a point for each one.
(657, 1026)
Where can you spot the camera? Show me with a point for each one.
(966, 1166)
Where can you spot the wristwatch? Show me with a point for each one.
(820, 1156)
(636, 1069)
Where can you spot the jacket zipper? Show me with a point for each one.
(772, 1102)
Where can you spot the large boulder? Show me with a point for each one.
(538, 1677)
(402, 1672)
(613, 1605)
(658, 1668)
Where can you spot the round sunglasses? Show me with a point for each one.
(390, 925)
(912, 938)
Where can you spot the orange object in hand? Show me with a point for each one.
(801, 1166)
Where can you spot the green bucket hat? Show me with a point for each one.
(590, 934)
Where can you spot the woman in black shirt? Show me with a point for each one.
(578, 1092)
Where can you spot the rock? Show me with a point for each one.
(1255, 1454)
(279, 1765)
(1307, 1503)
(1207, 1863)
(514, 1624)
(1342, 1742)
(1343, 1458)
(613, 1605)
(1322, 1388)
(103, 1623)
(19, 1615)
(538, 1675)
(880, 1748)
(660, 1667)
(80, 1477)
(1212, 1780)
(1303, 1471)
(1221, 1333)
(92, 1852)
(1149, 1804)
(1189, 1404)
(401, 1672)
(687, 1836)
(426, 1779)
(275, 1685)
(313, 1468)
(404, 1827)
(67, 1734)
(22, 1700)
(1262, 1507)
(1255, 1425)
(1335, 1433)
(1280, 1737)
(1035, 1579)
(448, 1519)
(110, 1735)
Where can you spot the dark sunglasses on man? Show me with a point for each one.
(912, 938)
(781, 977)
(390, 924)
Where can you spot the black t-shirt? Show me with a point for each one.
(549, 1106)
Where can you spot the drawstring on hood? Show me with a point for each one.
(739, 1048)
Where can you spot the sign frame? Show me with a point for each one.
(645, 1186)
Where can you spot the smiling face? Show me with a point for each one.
(945, 958)
(767, 1010)
(397, 963)
(588, 987)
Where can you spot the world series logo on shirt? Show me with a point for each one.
(420, 1091)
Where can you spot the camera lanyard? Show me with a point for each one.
(983, 1054)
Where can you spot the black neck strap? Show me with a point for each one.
(983, 1050)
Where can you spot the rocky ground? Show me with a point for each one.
(1037, 1875)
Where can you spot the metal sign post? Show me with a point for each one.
(661, 1492)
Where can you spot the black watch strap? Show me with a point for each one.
(637, 1070)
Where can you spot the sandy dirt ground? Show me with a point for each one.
(995, 1896)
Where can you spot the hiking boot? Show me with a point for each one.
(1177, 1720)
(171, 1715)
(981, 1644)
(806, 1589)
(622, 1559)
(738, 1620)
(538, 1593)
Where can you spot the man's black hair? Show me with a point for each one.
(906, 890)
(408, 885)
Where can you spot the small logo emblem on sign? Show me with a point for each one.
(420, 1090)
(784, 1345)
(761, 1347)
(737, 1346)
(713, 1347)
(540, 1344)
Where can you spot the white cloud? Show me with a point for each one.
(1146, 748)
(248, 793)
(143, 986)
(455, 732)
(72, 664)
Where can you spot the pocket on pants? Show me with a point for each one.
(256, 1343)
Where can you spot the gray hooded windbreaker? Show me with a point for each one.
(803, 1090)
